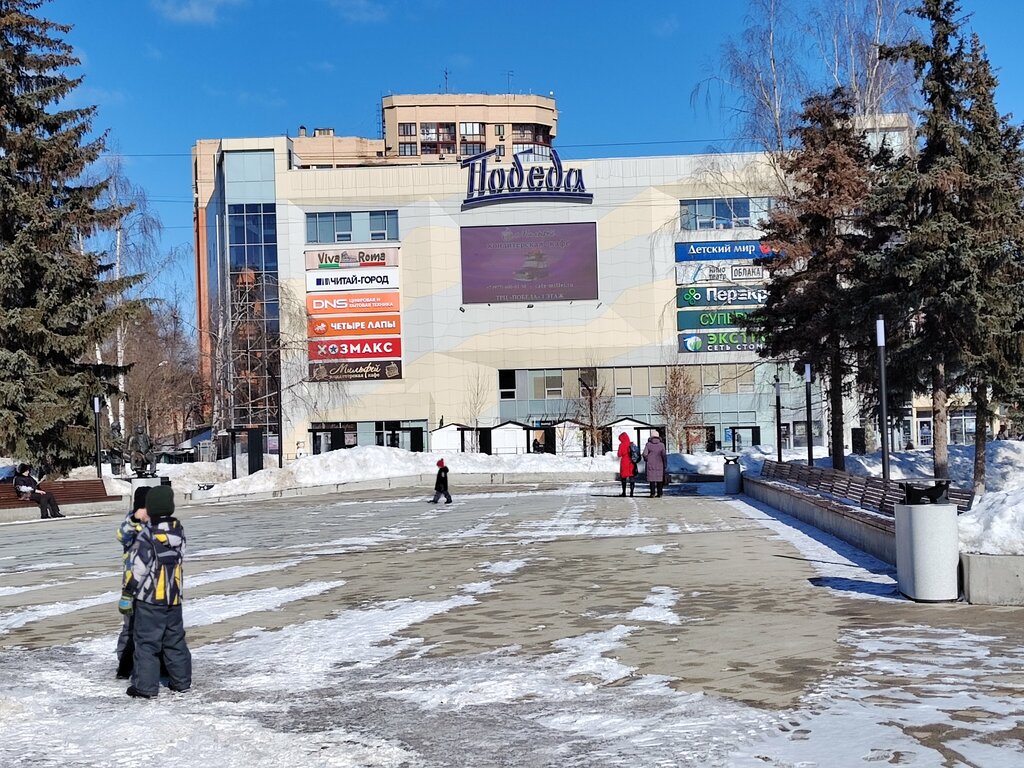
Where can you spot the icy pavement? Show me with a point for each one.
(539, 627)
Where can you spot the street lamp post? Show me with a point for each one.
(590, 398)
(883, 396)
(99, 445)
(778, 418)
(810, 432)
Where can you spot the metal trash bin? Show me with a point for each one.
(733, 475)
(927, 544)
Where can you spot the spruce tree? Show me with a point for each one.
(930, 262)
(991, 332)
(957, 265)
(52, 307)
(816, 311)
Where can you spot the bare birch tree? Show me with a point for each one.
(677, 404)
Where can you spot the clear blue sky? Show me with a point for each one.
(165, 73)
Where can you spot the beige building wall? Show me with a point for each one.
(448, 345)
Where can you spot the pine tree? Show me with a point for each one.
(52, 310)
(816, 311)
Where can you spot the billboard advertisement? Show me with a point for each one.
(529, 262)
(351, 303)
(364, 370)
(333, 257)
(355, 349)
(352, 279)
(354, 325)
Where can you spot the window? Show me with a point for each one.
(723, 212)
(428, 148)
(348, 227)
(407, 129)
(407, 148)
(428, 131)
(727, 378)
(745, 381)
(471, 129)
(507, 384)
(501, 150)
(446, 148)
(522, 132)
(712, 378)
(383, 225)
(499, 130)
(472, 148)
(623, 382)
(553, 385)
(532, 150)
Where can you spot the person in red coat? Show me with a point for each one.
(627, 468)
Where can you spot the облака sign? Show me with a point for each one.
(488, 185)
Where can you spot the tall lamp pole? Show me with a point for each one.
(810, 432)
(99, 446)
(590, 399)
(883, 396)
(778, 418)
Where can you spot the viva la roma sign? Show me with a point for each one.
(490, 185)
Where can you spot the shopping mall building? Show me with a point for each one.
(460, 271)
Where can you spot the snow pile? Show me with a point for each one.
(995, 525)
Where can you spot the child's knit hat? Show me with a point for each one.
(160, 501)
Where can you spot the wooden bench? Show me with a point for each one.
(871, 493)
(65, 491)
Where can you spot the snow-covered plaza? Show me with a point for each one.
(543, 625)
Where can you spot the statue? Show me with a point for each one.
(140, 451)
(115, 448)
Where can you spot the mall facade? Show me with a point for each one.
(352, 292)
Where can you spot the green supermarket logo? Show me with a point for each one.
(691, 296)
(693, 343)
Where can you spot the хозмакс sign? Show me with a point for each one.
(530, 262)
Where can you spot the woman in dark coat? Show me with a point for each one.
(627, 469)
(28, 490)
(654, 455)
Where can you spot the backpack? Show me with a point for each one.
(634, 453)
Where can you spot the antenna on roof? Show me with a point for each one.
(446, 73)
(508, 81)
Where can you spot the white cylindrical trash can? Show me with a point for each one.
(927, 552)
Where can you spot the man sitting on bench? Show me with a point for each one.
(28, 490)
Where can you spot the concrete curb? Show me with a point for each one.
(26, 514)
(993, 579)
(423, 483)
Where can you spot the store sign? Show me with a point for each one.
(720, 296)
(355, 325)
(352, 303)
(351, 258)
(736, 249)
(355, 349)
(366, 370)
(720, 341)
(708, 318)
(352, 279)
(719, 272)
(488, 186)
